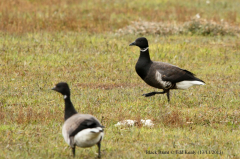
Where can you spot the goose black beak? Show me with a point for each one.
(133, 43)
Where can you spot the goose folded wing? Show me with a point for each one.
(79, 122)
(85, 124)
(174, 74)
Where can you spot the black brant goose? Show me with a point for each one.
(82, 130)
(160, 74)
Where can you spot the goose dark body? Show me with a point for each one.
(83, 130)
(160, 74)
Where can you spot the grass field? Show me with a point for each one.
(45, 42)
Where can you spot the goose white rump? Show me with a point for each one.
(187, 84)
(85, 138)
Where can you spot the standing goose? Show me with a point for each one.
(82, 130)
(160, 74)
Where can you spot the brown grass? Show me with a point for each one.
(22, 16)
(173, 119)
(27, 115)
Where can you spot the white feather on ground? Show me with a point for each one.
(146, 123)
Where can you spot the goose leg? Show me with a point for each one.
(73, 151)
(99, 149)
(153, 93)
(168, 95)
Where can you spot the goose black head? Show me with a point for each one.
(62, 88)
(140, 42)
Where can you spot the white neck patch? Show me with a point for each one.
(144, 49)
(65, 96)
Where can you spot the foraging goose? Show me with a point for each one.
(160, 74)
(82, 130)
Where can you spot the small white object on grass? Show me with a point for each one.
(197, 16)
(147, 123)
(126, 123)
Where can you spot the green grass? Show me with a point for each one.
(99, 67)
(100, 71)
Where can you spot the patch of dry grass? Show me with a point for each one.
(96, 16)
(193, 27)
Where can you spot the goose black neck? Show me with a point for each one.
(144, 56)
(69, 108)
(143, 64)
